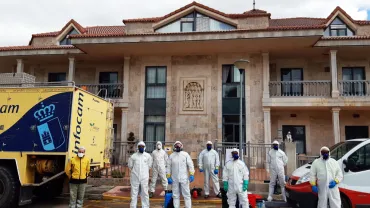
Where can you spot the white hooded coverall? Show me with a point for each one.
(139, 165)
(208, 161)
(235, 172)
(277, 159)
(322, 172)
(160, 158)
(178, 166)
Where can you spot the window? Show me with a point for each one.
(338, 28)
(195, 22)
(155, 83)
(361, 159)
(353, 81)
(66, 40)
(108, 85)
(292, 82)
(154, 130)
(340, 149)
(230, 82)
(356, 132)
(57, 77)
(231, 128)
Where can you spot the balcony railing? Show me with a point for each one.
(354, 88)
(104, 90)
(317, 88)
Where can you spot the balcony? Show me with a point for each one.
(316, 88)
(354, 88)
(112, 91)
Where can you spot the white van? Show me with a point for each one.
(353, 157)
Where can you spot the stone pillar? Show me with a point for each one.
(266, 75)
(126, 76)
(124, 134)
(267, 125)
(291, 152)
(20, 66)
(334, 73)
(336, 124)
(71, 69)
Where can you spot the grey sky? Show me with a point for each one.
(19, 19)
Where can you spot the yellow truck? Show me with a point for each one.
(41, 128)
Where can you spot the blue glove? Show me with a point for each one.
(315, 189)
(226, 186)
(191, 178)
(201, 170)
(169, 180)
(245, 185)
(332, 184)
(216, 171)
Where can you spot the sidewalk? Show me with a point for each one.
(123, 193)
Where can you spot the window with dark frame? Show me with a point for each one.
(339, 28)
(108, 84)
(195, 21)
(291, 84)
(230, 104)
(66, 40)
(353, 81)
(155, 105)
(230, 82)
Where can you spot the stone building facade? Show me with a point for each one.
(172, 77)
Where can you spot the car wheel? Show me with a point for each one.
(344, 202)
(292, 203)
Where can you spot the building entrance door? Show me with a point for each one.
(299, 136)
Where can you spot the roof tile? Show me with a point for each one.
(21, 48)
(358, 37)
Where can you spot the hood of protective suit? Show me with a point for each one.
(275, 142)
(142, 144)
(324, 148)
(160, 144)
(209, 142)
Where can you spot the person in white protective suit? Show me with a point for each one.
(159, 168)
(139, 164)
(324, 177)
(179, 164)
(209, 162)
(276, 159)
(236, 180)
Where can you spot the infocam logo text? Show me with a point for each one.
(9, 108)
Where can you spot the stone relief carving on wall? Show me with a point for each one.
(193, 95)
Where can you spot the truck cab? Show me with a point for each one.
(353, 157)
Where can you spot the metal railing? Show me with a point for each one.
(255, 157)
(304, 159)
(104, 90)
(354, 88)
(316, 88)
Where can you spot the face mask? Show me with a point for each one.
(235, 156)
(178, 149)
(141, 149)
(325, 156)
(159, 147)
(80, 154)
(276, 147)
(209, 147)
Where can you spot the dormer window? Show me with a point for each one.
(338, 28)
(195, 22)
(66, 40)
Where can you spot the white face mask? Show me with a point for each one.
(159, 147)
(80, 154)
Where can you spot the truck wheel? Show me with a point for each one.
(9, 188)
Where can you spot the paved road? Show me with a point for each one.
(63, 203)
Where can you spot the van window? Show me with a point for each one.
(338, 151)
(361, 158)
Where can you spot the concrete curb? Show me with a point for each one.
(199, 201)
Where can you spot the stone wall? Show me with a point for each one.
(251, 23)
(138, 28)
(43, 41)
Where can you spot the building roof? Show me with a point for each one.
(283, 24)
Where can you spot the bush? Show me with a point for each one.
(118, 174)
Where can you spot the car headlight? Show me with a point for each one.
(305, 178)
